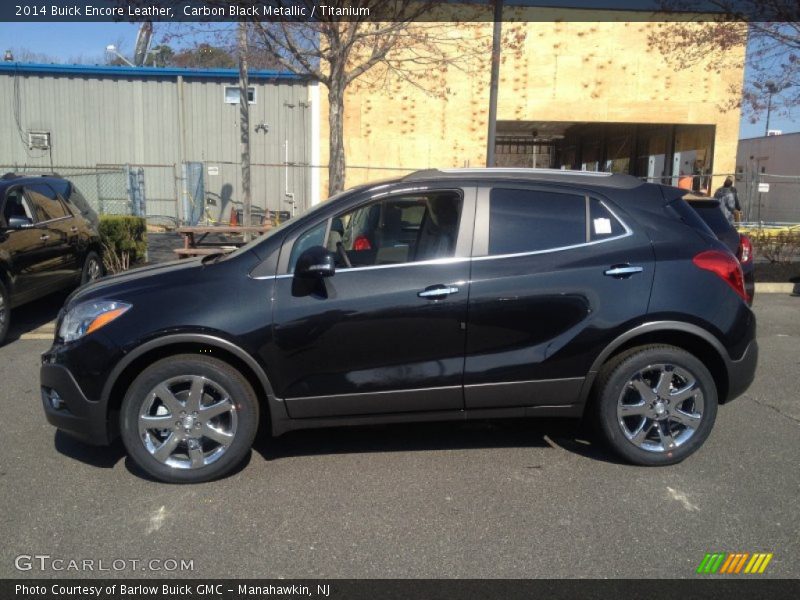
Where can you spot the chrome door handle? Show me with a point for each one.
(44, 237)
(622, 271)
(438, 291)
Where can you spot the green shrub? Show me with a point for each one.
(124, 240)
(781, 247)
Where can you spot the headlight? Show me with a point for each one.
(88, 317)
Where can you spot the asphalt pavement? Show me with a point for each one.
(487, 499)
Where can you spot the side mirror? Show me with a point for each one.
(17, 222)
(315, 262)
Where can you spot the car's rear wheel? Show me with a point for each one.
(656, 405)
(189, 418)
(92, 268)
(5, 312)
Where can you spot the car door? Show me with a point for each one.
(555, 272)
(58, 232)
(22, 249)
(386, 333)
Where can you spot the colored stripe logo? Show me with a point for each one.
(734, 563)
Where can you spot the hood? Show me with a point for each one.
(116, 287)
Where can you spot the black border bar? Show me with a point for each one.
(387, 10)
(752, 587)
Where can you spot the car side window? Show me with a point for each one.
(313, 237)
(532, 220)
(45, 202)
(397, 230)
(17, 206)
(602, 222)
(393, 230)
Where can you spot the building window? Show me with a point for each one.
(232, 94)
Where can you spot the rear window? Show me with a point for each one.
(711, 213)
(688, 215)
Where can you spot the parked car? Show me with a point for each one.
(48, 240)
(710, 211)
(522, 293)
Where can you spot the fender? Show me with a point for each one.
(276, 408)
(651, 327)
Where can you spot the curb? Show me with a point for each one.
(776, 288)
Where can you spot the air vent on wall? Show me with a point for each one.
(39, 140)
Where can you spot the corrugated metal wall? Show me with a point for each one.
(117, 120)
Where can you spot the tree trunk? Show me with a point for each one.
(336, 162)
(244, 126)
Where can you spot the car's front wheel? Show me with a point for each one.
(189, 418)
(656, 405)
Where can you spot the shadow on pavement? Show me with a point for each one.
(28, 317)
(102, 457)
(567, 434)
(524, 433)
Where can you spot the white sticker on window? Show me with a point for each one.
(602, 226)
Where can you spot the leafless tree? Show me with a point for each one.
(770, 29)
(407, 45)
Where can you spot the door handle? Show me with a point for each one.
(44, 237)
(622, 271)
(73, 229)
(435, 292)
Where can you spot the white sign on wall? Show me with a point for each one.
(763, 188)
(213, 170)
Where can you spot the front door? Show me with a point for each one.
(386, 333)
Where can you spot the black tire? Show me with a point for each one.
(5, 312)
(666, 428)
(186, 366)
(92, 267)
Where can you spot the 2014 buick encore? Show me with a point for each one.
(463, 294)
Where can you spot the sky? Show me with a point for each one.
(88, 40)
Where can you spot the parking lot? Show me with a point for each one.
(500, 499)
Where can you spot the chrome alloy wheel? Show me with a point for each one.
(93, 269)
(660, 408)
(187, 422)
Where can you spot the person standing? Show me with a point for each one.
(728, 200)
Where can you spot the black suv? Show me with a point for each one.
(48, 240)
(466, 294)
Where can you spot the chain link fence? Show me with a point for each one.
(105, 188)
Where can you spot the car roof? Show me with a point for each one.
(17, 178)
(584, 178)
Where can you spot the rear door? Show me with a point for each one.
(59, 232)
(23, 250)
(554, 273)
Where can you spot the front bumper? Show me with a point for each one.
(74, 414)
(742, 372)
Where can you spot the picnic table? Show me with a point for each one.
(194, 243)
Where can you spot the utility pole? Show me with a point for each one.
(244, 126)
(492, 136)
(771, 89)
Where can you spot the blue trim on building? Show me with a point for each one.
(142, 72)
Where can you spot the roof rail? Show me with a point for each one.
(526, 171)
(593, 178)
